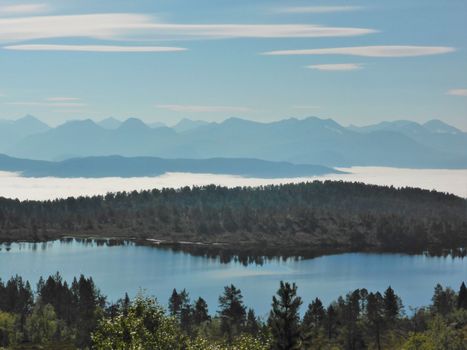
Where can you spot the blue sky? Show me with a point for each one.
(357, 62)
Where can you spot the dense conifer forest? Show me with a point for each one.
(59, 315)
(294, 219)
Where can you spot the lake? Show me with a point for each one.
(14, 186)
(127, 268)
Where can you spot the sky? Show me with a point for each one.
(357, 62)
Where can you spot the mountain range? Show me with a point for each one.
(312, 140)
(118, 166)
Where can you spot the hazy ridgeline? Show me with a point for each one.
(296, 219)
(312, 140)
(77, 316)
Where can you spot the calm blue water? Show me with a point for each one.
(120, 269)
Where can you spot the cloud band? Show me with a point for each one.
(93, 48)
(370, 51)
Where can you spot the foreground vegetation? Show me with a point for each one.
(77, 316)
(298, 219)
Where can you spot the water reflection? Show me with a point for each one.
(223, 254)
(120, 266)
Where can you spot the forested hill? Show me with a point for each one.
(306, 218)
(108, 166)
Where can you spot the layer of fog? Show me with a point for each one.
(12, 185)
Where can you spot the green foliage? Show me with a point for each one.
(359, 320)
(444, 300)
(243, 342)
(8, 330)
(42, 324)
(438, 336)
(145, 326)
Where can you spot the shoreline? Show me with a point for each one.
(245, 253)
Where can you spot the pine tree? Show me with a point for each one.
(284, 318)
(252, 324)
(200, 312)
(392, 305)
(126, 304)
(232, 311)
(186, 312)
(175, 304)
(351, 313)
(89, 301)
(330, 321)
(462, 297)
(375, 311)
(444, 300)
(315, 314)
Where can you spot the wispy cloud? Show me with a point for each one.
(93, 48)
(457, 92)
(318, 9)
(336, 67)
(305, 107)
(120, 26)
(48, 104)
(68, 110)
(22, 9)
(370, 51)
(56, 103)
(62, 99)
(203, 109)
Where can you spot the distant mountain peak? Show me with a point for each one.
(78, 123)
(401, 125)
(155, 125)
(187, 124)
(110, 123)
(236, 120)
(133, 120)
(28, 117)
(133, 125)
(31, 124)
(438, 126)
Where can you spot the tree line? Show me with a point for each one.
(299, 219)
(76, 316)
